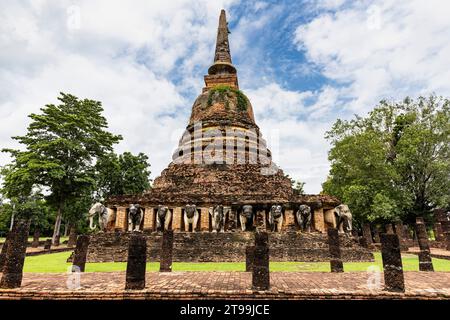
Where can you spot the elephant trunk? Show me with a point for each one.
(91, 223)
(349, 222)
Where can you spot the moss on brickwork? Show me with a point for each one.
(220, 93)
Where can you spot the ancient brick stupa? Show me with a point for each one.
(222, 159)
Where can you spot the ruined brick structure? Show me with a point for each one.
(222, 159)
(226, 247)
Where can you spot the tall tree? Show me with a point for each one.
(61, 146)
(394, 163)
(123, 174)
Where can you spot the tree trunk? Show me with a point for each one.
(12, 222)
(72, 237)
(66, 229)
(56, 230)
(36, 235)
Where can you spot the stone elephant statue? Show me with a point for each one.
(163, 218)
(343, 218)
(246, 217)
(103, 216)
(135, 216)
(276, 218)
(303, 216)
(218, 217)
(191, 217)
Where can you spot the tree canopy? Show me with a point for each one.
(60, 149)
(122, 174)
(395, 163)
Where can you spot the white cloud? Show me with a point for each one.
(121, 54)
(294, 132)
(274, 102)
(388, 49)
(142, 59)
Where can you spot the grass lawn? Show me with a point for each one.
(56, 262)
(62, 239)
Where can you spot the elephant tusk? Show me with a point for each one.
(91, 221)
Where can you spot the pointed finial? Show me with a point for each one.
(222, 57)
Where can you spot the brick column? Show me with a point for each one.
(319, 223)
(376, 235)
(4, 249)
(72, 237)
(399, 230)
(389, 228)
(48, 244)
(406, 232)
(425, 262)
(261, 275)
(447, 239)
(367, 233)
(36, 236)
(111, 219)
(329, 218)
(392, 263)
(165, 264)
(149, 219)
(289, 221)
(445, 226)
(81, 251)
(56, 243)
(363, 242)
(121, 219)
(260, 221)
(335, 250)
(204, 219)
(176, 218)
(232, 221)
(249, 257)
(136, 264)
(438, 233)
(15, 256)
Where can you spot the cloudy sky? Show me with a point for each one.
(303, 64)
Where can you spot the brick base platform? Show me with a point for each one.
(228, 285)
(226, 247)
(435, 252)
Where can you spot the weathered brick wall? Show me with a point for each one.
(226, 247)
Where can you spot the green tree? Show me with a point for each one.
(61, 146)
(76, 211)
(299, 187)
(123, 174)
(394, 163)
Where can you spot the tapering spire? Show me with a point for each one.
(222, 58)
(222, 45)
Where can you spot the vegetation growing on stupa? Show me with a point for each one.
(221, 91)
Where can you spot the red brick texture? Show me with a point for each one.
(229, 285)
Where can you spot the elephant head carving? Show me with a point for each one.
(102, 212)
(191, 217)
(163, 218)
(343, 218)
(246, 216)
(219, 215)
(135, 217)
(304, 217)
(276, 217)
